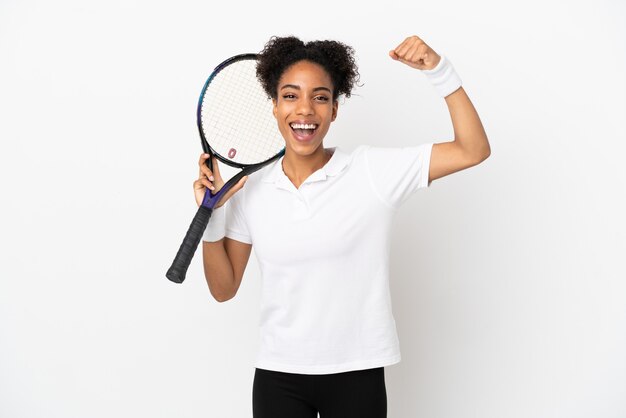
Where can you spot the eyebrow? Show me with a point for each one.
(294, 86)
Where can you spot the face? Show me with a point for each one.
(304, 107)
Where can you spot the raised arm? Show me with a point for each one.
(470, 146)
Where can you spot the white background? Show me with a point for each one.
(508, 279)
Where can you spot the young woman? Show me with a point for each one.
(319, 219)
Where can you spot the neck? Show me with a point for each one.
(298, 167)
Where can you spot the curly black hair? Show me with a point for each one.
(280, 53)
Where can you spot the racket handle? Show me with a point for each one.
(178, 270)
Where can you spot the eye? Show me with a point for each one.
(289, 96)
(321, 98)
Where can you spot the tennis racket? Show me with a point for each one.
(238, 128)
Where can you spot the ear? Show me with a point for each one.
(274, 107)
(335, 109)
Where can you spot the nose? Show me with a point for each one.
(304, 107)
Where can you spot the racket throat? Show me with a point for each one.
(210, 200)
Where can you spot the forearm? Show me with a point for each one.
(469, 133)
(470, 145)
(218, 270)
(470, 140)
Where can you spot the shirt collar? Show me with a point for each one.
(337, 163)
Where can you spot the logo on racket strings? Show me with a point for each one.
(231, 153)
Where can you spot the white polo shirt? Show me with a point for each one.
(323, 250)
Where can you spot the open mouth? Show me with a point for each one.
(303, 129)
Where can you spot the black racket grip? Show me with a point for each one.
(178, 270)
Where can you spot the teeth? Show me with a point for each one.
(303, 126)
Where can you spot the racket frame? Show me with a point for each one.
(210, 200)
(176, 273)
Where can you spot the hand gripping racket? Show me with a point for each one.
(236, 126)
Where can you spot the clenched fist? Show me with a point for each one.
(415, 53)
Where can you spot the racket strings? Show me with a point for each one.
(237, 117)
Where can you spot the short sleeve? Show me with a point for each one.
(236, 226)
(395, 173)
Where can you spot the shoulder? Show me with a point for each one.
(370, 156)
(268, 174)
(374, 151)
(348, 157)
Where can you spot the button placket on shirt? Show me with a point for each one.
(301, 209)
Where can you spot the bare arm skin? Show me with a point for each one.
(470, 146)
(225, 260)
(224, 264)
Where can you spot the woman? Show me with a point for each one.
(320, 221)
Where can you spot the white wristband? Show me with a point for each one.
(443, 77)
(216, 229)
